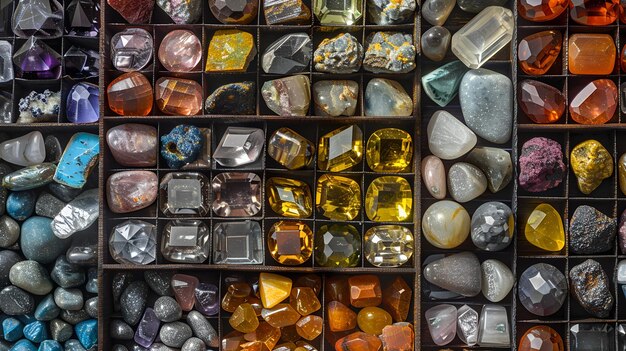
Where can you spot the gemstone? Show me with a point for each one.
(131, 191)
(180, 51)
(310, 327)
(39, 107)
(82, 18)
(495, 163)
(133, 242)
(442, 84)
(230, 50)
(335, 97)
(236, 194)
(492, 226)
(281, 315)
(476, 6)
(622, 232)
(459, 273)
(289, 96)
(544, 228)
(591, 54)
(340, 54)
(182, 12)
(592, 337)
(595, 103)
(232, 99)
(591, 231)
(290, 149)
(184, 194)
(6, 67)
(81, 63)
(83, 103)
(38, 18)
(207, 299)
(399, 336)
(541, 338)
(542, 289)
(338, 197)
(234, 12)
(541, 12)
(177, 96)
(343, 13)
(286, 12)
(6, 106)
(289, 197)
(498, 280)
(304, 300)
(340, 317)
(340, 149)
(389, 150)
(389, 52)
(131, 49)
(290, 243)
(434, 176)
(386, 97)
(239, 146)
(372, 320)
(265, 335)
(365, 291)
(466, 182)
(442, 323)
(538, 52)
(590, 286)
(541, 165)
(147, 329)
(358, 341)
(473, 47)
(594, 13)
(203, 160)
(78, 161)
(290, 53)
(389, 199)
(436, 12)
(184, 287)
(134, 12)
(397, 298)
(621, 168)
(541, 102)
(449, 138)
(273, 289)
(388, 245)
(446, 224)
(494, 330)
(26, 150)
(435, 43)
(337, 245)
(130, 95)
(591, 162)
(133, 145)
(185, 241)
(467, 325)
(237, 243)
(36, 60)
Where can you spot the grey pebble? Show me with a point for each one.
(67, 275)
(167, 309)
(91, 306)
(92, 281)
(31, 276)
(73, 345)
(120, 330)
(74, 317)
(15, 301)
(60, 330)
(69, 299)
(203, 329)
(193, 344)
(63, 192)
(160, 282)
(175, 334)
(48, 206)
(133, 302)
(7, 259)
(53, 149)
(9, 231)
(120, 282)
(119, 347)
(161, 347)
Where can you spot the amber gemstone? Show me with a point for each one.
(372, 320)
(594, 12)
(273, 289)
(358, 341)
(340, 317)
(289, 334)
(130, 95)
(287, 346)
(541, 338)
(230, 302)
(252, 346)
(256, 303)
(365, 290)
(310, 327)
(234, 12)
(310, 281)
(239, 289)
(398, 336)
(397, 299)
(281, 315)
(591, 54)
(232, 341)
(290, 243)
(623, 58)
(266, 334)
(538, 52)
(304, 346)
(541, 11)
(244, 319)
(336, 289)
(177, 96)
(304, 300)
(542, 103)
(595, 103)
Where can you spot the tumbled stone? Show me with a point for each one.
(289, 96)
(372, 320)
(340, 54)
(286, 12)
(591, 162)
(184, 287)
(53, 149)
(20, 204)
(594, 13)
(134, 12)
(541, 11)
(120, 330)
(542, 103)
(467, 325)
(386, 97)
(387, 12)
(48, 206)
(466, 182)
(15, 301)
(449, 138)
(175, 334)
(591, 231)
(91, 306)
(337, 245)
(446, 224)
(590, 286)
(358, 341)
(203, 329)
(178, 96)
(60, 330)
(435, 43)
(230, 50)
(459, 273)
(365, 291)
(497, 280)
(442, 322)
(335, 97)
(8, 258)
(281, 315)
(159, 282)
(229, 12)
(442, 84)
(193, 344)
(476, 6)
(133, 145)
(29, 177)
(493, 329)
(166, 309)
(538, 52)
(31, 276)
(133, 301)
(542, 289)
(495, 163)
(68, 299)
(492, 226)
(544, 228)
(39, 243)
(596, 103)
(340, 317)
(131, 49)
(130, 95)
(180, 51)
(541, 165)
(273, 289)
(541, 338)
(9, 231)
(182, 12)
(436, 12)
(434, 176)
(26, 150)
(78, 215)
(290, 53)
(131, 191)
(389, 52)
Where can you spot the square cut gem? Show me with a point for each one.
(184, 193)
(185, 241)
(184, 236)
(238, 243)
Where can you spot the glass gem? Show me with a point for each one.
(389, 150)
(539, 51)
(340, 317)
(492, 226)
(133, 11)
(207, 299)
(230, 50)
(340, 149)
(78, 215)
(389, 199)
(338, 12)
(542, 289)
(286, 12)
(133, 242)
(130, 95)
(281, 315)
(83, 104)
(38, 18)
(234, 12)
(236, 194)
(358, 341)
(304, 300)
(185, 241)
(184, 287)
(312, 281)
(273, 289)
(441, 321)
(594, 12)
(541, 11)
(435, 43)
(81, 62)
(244, 319)
(592, 337)
(442, 84)
(184, 194)
(131, 49)
(310, 327)
(237, 243)
(372, 320)
(36, 60)
(288, 96)
(591, 53)
(337, 245)
(290, 149)
(290, 243)
(494, 330)
(542, 103)
(467, 325)
(397, 299)
(78, 160)
(541, 338)
(388, 245)
(289, 197)
(338, 197)
(239, 146)
(82, 18)
(365, 290)
(290, 53)
(544, 228)
(595, 103)
(177, 96)
(180, 51)
(133, 145)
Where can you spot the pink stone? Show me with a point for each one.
(441, 321)
(184, 287)
(133, 145)
(434, 175)
(180, 51)
(131, 191)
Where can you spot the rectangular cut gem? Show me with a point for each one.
(237, 243)
(184, 193)
(183, 236)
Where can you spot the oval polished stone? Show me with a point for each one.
(180, 51)
(131, 191)
(497, 280)
(542, 103)
(541, 338)
(541, 11)
(386, 97)
(133, 145)
(130, 95)
(178, 96)
(436, 12)
(435, 43)
(372, 320)
(446, 224)
(544, 228)
(596, 103)
(466, 182)
(538, 52)
(459, 273)
(26, 150)
(29, 177)
(591, 53)
(335, 97)
(449, 138)
(434, 176)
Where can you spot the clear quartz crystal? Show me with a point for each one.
(131, 49)
(237, 243)
(236, 194)
(467, 325)
(133, 242)
(185, 241)
(494, 330)
(77, 215)
(6, 67)
(184, 194)
(483, 36)
(239, 146)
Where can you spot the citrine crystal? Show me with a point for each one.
(230, 50)
(542, 103)
(594, 12)
(372, 320)
(340, 317)
(596, 103)
(304, 300)
(289, 197)
(591, 53)
(388, 245)
(310, 327)
(389, 199)
(544, 228)
(266, 334)
(290, 243)
(244, 319)
(397, 299)
(358, 341)
(338, 197)
(538, 52)
(281, 315)
(365, 290)
(273, 289)
(290, 149)
(338, 12)
(177, 96)
(340, 149)
(130, 95)
(389, 150)
(337, 245)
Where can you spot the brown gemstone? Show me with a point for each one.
(595, 103)
(365, 290)
(397, 299)
(266, 334)
(289, 334)
(310, 327)
(538, 52)
(623, 59)
(130, 95)
(234, 12)
(541, 11)
(184, 287)
(312, 281)
(232, 341)
(591, 54)
(340, 317)
(622, 12)
(133, 11)
(398, 336)
(336, 289)
(542, 103)
(177, 96)
(358, 341)
(541, 338)
(594, 12)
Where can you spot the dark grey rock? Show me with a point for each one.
(91, 306)
(133, 302)
(31, 276)
(495, 163)
(48, 205)
(120, 282)
(69, 299)
(167, 309)
(120, 330)
(63, 192)
(9, 231)
(175, 334)
(160, 282)
(158, 347)
(7, 259)
(590, 286)
(591, 231)
(74, 317)
(67, 275)
(53, 149)
(92, 281)
(203, 329)
(73, 345)
(459, 273)
(60, 330)
(15, 301)
(492, 226)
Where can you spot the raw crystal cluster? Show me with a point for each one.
(387, 12)
(39, 107)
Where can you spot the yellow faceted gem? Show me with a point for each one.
(281, 315)
(288, 346)
(389, 150)
(346, 12)
(289, 197)
(273, 289)
(252, 346)
(290, 243)
(388, 245)
(340, 149)
(544, 228)
(310, 327)
(230, 51)
(389, 199)
(338, 197)
(290, 149)
(591, 163)
(266, 334)
(304, 300)
(372, 320)
(244, 319)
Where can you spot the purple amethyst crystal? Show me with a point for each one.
(36, 60)
(38, 18)
(148, 328)
(207, 299)
(82, 103)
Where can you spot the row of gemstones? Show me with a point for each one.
(43, 19)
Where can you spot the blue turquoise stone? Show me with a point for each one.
(50, 345)
(26, 318)
(442, 84)
(47, 310)
(181, 146)
(13, 329)
(39, 243)
(23, 345)
(78, 160)
(21, 204)
(73, 345)
(87, 332)
(36, 331)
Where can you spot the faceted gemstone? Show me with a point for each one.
(6, 106)
(542, 103)
(185, 241)
(590, 286)
(434, 176)
(435, 43)
(304, 300)
(289, 96)
(177, 96)
(591, 54)
(365, 291)
(281, 315)
(388, 12)
(338, 197)
(398, 336)
(6, 66)
(182, 11)
(343, 13)
(236, 194)
(184, 194)
(498, 280)
(541, 11)
(237, 243)
(467, 325)
(494, 330)
(290, 53)
(449, 138)
(337, 245)
(544, 228)
(289, 197)
(389, 199)
(131, 191)
(340, 317)
(230, 50)
(538, 52)
(79, 159)
(591, 162)
(234, 12)
(358, 341)
(592, 337)
(446, 224)
(492, 226)
(389, 52)
(442, 84)
(290, 243)
(386, 97)
(82, 104)
(335, 97)
(290, 149)
(591, 232)
(542, 289)
(207, 299)
(232, 99)
(130, 95)
(273, 289)
(541, 338)
(133, 242)
(83, 18)
(244, 319)
(342, 53)
(131, 49)
(81, 63)
(310, 327)
(595, 103)
(133, 145)
(473, 47)
(436, 12)
(26, 150)
(36, 60)
(38, 18)
(372, 320)
(184, 287)
(388, 245)
(286, 12)
(466, 182)
(441, 320)
(541, 165)
(340, 149)
(594, 13)
(134, 12)
(397, 299)
(180, 51)
(239, 146)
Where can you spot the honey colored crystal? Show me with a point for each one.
(340, 149)
(389, 199)
(358, 341)
(542, 103)
(365, 290)
(289, 334)
(252, 346)
(281, 315)
(541, 11)
(130, 95)
(310, 327)
(273, 289)
(290, 243)
(304, 300)
(244, 319)
(290, 149)
(266, 334)
(287, 346)
(177, 96)
(594, 12)
(372, 320)
(595, 103)
(389, 150)
(289, 197)
(538, 52)
(239, 289)
(232, 341)
(312, 281)
(230, 302)
(399, 336)
(336, 289)
(340, 317)
(591, 163)
(591, 53)
(397, 299)
(337, 197)
(230, 50)
(544, 228)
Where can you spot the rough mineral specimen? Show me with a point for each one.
(340, 54)
(591, 231)
(39, 107)
(230, 50)
(133, 11)
(291, 53)
(78, 215)
(386, 97)
(286, 12)
(234, 12)
(335, 97)
(289, 96)
(182, 11)
(590, 286)
(232, 99)
(591, 163)
(541, 165)
(387, 12)
(389, 52)
(181, 145)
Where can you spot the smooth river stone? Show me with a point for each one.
(175, 334)
(31, 276)
(133, 301)
(67, 275)
(180, 51)
(498, 280)
(436, 12)
(434, 176)
(29, 177)
(541, 165)
(335, 97)
(435, 43)
(441, 320)
(386, 97)
(26, 150)
(487, 104)
(449, 138)
(446, 224)
(78, 215)
(15, 301)
(203, 329)
(591, 232)
(20, 204)
(159, 282)
(167, 309)
(38, 241)
(133, 145)
(131, 191)
(9, 231)
(459, 273)
(466, 182)
(68, 299)
(590, 286)
(47, 205)
(7, 259)
(495, 163)
(289, 96)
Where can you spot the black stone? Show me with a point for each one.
(7, 259)
(81, 18)
(81, 63)
(133, 302)
(15, 301)
(120, 330)
(160, 282)
(63, 192)
(590, 286)
(120, 282)
(591, 231)
(53, 149)
(60, 331)
(74, 317)
(232, 99)
(48, 205)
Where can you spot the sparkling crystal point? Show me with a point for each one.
(36, 60)
(238, 243)
(230, 50)
(291, 53)
(81, 63)
(82, 18)
(239, 146)
(83, 104)
(38, 18)
(133, 242)
(236, 194)
(131, 49)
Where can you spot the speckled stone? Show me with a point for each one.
(53, 149)
(73, 345)
(36, 331)
(389, 52)
(181, 145)
(435, 43)
(495, 163)
(133, 301)
(118, 329)
(590, 286)
(193, 344)
(466, 182)
(20, 204)
(493, 226)
(74, 317)
(91, 306)
(459, 273)
(591, 231)
(160, 282)
(87, 332)
(7, 259)
(119, 283)
(46, 309)
(60, 331)
(167, 309)
(203, 329)
(232, 99)
(69, 299)
(31, 276)
(175, 334)
(48, 206)
(15, 301)
(541, 165)
(12, 329)
(67, 275)
(341, 54)
(92, 280)
(25, 345)
(497, 280)
(38, 241)
(9, 231)
(621, 232)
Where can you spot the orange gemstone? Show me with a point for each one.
(336, 289)
(623, 59)
(365, 291)
(130, 95)
(340, 316)
(541, 338)
(304, 346)
(232, 341)
(542, 103)
(252, 346)
(256, 304)
(594, 12)
(622, 12)
(266, 334)
(239, 289)
(397, 299)
(358, 341)
(280, 315)
(304, 300)
(595, 103)
(289, 334)
(541, 11)
(230, 302)
(310, 327)
(331, 337)
(287, 346)
(177, 96)
(398, 337)
(312, 281)
(538, 52)
(591, 54)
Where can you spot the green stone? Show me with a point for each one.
(337, 245)
(442, 84)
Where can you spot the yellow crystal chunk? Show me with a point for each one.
(338, 197)
(289, 197)
(304, 300)
(346, 12)
(544, 228)
(266, 334)
(310, 327)
(281, 315)
(290, 149)
(244, 319)
(273, 288)
(230, 51)
(591, 163)
(389, 199)
(340, 149)
(290, 243)
(389, 150)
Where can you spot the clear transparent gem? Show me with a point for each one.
(237, 243)
(236, 194)
(239, 146)
(38, 18)
(291, 53)
(542, 289)
(131, 49)
(388, 245)
(184, 194)
(6, 64)
(494, 330)
(593, 337)
(133, 242)
(185, 241)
